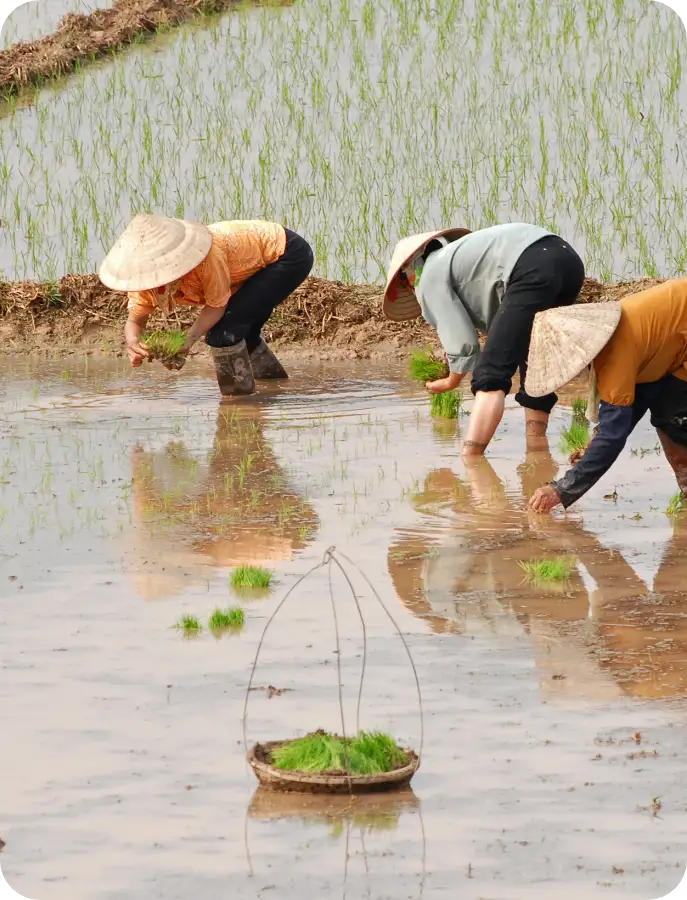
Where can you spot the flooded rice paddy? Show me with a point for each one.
(36, 18)
(359, 122)
(553, 719)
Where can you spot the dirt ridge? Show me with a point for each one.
(84, 37)
(79, 312)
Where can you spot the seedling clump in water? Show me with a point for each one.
(369, 753)
(251, 577)
(424, 366)
(447, 405)
(677, 505)
(189, 625)
(579, 407)
(227, 618)
(164, 345)
(558, 569)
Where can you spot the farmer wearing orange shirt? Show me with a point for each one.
(236, 273)
(636, 351)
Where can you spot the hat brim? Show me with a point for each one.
(400, 303)
(164, 250)
(565, 340)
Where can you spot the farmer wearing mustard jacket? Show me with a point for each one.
(494, 280)
(636, 351)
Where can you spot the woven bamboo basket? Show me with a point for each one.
(259, 759)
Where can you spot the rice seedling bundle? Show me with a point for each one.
(424, 366)
(538, 571)
(164, 345)
(251, 577)
(369, 753)
(447, 405)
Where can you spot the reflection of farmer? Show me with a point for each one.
(494, 280)
(235, 272)
(235, 509)
(619, 637)
(637, 352)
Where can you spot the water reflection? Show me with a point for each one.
(616, 637)
(363, 829)
(191, 514)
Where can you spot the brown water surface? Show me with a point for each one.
(554, 717)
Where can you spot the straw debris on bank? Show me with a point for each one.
(84, 38)
(79, 310)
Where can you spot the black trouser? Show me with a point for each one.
(255, 301)
(666, 400)
(549, 273)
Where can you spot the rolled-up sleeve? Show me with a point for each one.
(615, 426)
(442, 309)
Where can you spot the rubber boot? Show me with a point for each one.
(234, 370)
(265, 363)
(676, 455)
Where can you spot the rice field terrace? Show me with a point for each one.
(149, 532)
(452, 112)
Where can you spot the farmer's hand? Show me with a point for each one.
(545, 499)
(137, 352)
(577, 456)
(444, 384)
(177, 363)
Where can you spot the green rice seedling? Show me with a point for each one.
(369, 753)
(579, 407)
(576, 437)
(424, 366)
(189, 625)
(677, 505)
(164, 345)
(543, 570)
(251, 577)
(234, 617)
(447, 405)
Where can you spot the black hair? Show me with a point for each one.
(432, 247)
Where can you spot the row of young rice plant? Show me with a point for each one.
(460, 112)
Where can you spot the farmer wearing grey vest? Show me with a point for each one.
(494, 281)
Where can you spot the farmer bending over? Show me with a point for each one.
(494, 280)
(636, 349)
(235, 272)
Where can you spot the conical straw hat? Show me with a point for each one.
(564, 341)
(400, 303)
(154, 251)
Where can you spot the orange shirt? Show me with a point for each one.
(649, 343)
(239, 250)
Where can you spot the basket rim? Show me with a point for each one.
(402, 773)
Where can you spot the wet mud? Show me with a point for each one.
(554, 738)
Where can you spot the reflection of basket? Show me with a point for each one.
(326, 783)
(377, 811)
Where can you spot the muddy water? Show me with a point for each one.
(552, 718)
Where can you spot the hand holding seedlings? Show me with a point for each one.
(450, 383)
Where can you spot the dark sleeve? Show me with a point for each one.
(615, 425)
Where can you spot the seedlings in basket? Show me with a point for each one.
(190, 625)
(164, 345)
(447, 405)
(677, 505)
(540, 571)
(424, 366)
(576, 437)
(369, 753)
(251, 577)
(234, 618)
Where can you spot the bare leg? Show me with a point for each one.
(676, 454)
(536, 423)
(487, 412)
